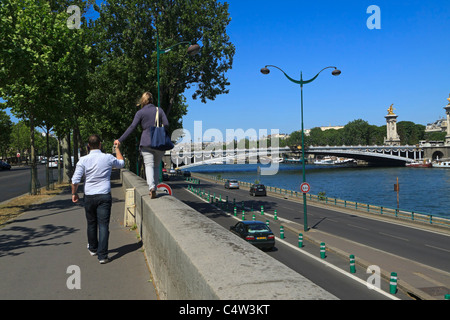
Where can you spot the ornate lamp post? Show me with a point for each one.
(301, 82)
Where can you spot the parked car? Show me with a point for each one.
(231, 184)
(4, 165)
(258, 190)
(187, 173)
(256, 233)
(53, 163)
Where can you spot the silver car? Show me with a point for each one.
(231, 184)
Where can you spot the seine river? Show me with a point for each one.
(424, 190)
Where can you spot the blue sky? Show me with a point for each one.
(405, 63)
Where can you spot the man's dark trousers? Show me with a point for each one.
(98, 213)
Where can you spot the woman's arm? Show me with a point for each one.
(136, 121)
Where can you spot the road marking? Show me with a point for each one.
(390, 235)
(314, 257)
(338, 269)
(358, 227)
(437, 248)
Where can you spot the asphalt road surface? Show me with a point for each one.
(16, 182)
(331, 275)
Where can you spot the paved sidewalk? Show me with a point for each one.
(38, 247)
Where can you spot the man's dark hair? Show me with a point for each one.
(94, 141)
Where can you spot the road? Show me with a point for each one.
(16, 182)
(430, 248)
(331, 275)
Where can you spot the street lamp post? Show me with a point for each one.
(192, 51)
(301, 82)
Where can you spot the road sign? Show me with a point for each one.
(305, 187)
(164, 188)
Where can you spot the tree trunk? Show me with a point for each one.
(34, 187)
(65, 146)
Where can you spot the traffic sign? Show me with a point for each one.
(305, 187)
(164, 188)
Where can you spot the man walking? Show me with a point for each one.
(97, 168)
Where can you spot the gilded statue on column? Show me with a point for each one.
(391, 109)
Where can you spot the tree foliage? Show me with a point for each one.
(126, 60)
(360, 132)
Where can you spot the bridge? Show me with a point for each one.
(381, 155)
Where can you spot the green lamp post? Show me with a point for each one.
(192, 50)
(301, 82)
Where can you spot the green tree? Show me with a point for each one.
(356, 132)
(38, 64)
(410, 133)
(5, 132)
(126, 52)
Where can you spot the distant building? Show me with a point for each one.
(308, 131)
(437, 126)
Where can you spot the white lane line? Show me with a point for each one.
(358, 227)
(390, 235)
(430, 246)
(339, 270)
(319, 260)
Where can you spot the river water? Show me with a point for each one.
(422, 190)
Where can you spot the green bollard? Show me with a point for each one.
(322, 250)
(275, 216)
(447, 297)
(243, 215)
(352, 264)
(300, 240)
(254, 218)
(393, 283)
(262, 210)
(235, 211)
(267, 222)
(281, 232)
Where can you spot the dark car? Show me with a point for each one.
(255, 232)
(232, 184)
(258, 190)
(4, 165)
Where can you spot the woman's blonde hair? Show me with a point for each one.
(146, 99)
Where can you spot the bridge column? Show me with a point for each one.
(392, 138)
(447, 111)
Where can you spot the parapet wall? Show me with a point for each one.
(193, 258)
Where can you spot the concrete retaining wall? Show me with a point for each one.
(193, 258)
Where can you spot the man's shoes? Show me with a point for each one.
(152, 194)
(92, 253)
(104, 261)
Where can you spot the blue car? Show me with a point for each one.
(4, 165)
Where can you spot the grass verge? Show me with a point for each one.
(17, 206)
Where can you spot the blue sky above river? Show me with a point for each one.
(404, 63)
